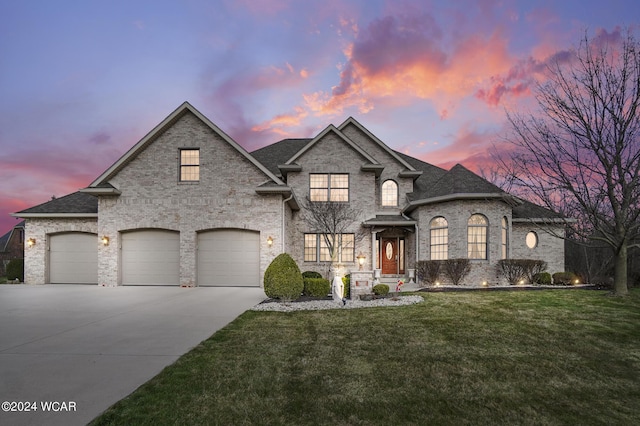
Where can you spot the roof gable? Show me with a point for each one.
(353, 122)
(151, 137)
(330, 129)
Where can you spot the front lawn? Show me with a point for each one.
(540, 357)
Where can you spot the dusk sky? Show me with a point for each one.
(82, 81)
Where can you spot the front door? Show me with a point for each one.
(389, 256)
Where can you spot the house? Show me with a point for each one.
(188, 206)
(11, 246)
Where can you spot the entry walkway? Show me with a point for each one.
(92, 346)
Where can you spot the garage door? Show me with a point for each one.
(229, 257)
(73, 258)
(151, 257)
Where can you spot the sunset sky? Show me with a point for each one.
(82, 81)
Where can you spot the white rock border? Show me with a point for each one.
(316, 305)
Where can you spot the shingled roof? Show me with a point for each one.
(75, 203)
(530, 211)
(278, 153)
(459, 180)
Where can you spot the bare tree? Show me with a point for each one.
(580, 152)
(331, 219)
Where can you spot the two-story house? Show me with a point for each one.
(187, 205)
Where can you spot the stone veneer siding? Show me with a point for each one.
(457, 214)
(36, 259)
(550, 248)
(153, 198)
(332, 155)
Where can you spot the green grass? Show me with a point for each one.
(487, 358)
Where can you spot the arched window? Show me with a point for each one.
(439, 238)
(477, 237)
(389, 193)
(504, 252)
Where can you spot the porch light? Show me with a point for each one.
(269, 241)
(31, 242)
(105, 240)
(361, 257)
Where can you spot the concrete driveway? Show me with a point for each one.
(78, 349)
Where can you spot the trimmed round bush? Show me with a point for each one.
(311, 274)
(543, 278)
(316, 287)
(380, 289)
(282, 279)
(564, 278)
(15, 269)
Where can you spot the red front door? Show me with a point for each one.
(389, 255)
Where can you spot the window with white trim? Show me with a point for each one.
(329, 187)
(189, 165)
(439, 238)
(477, 237)
(316, 248)
(389, 193)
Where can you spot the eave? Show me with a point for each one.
(287, 168)
(55, 215)
(413, 174)
(376, 168)
(101, 191)
(544, 220)
(509, 199)
(285, 191)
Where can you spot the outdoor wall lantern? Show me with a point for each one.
(105, 240)
(31, 242)
(361, 257)
(269, 241)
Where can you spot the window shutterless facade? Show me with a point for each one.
(316, 248)
(439, 238)
(504, 251)
(477, 237)
(329, 187)
(389, 193)
(189, 165)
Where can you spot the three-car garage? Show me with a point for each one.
(224, 257)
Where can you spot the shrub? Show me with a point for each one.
(516, 270)
(282, 279)
(428, 271)
(380, 289)
(15, 269)
(456, 269)
(564, 278)
(346, 280)
(316, 287)
(311, 274)
(543, 278)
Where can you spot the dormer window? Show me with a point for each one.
(389, 194)
(189, 165)
(329, 187)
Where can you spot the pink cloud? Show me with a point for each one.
(408, 56)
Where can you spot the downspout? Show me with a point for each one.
(283, 220)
